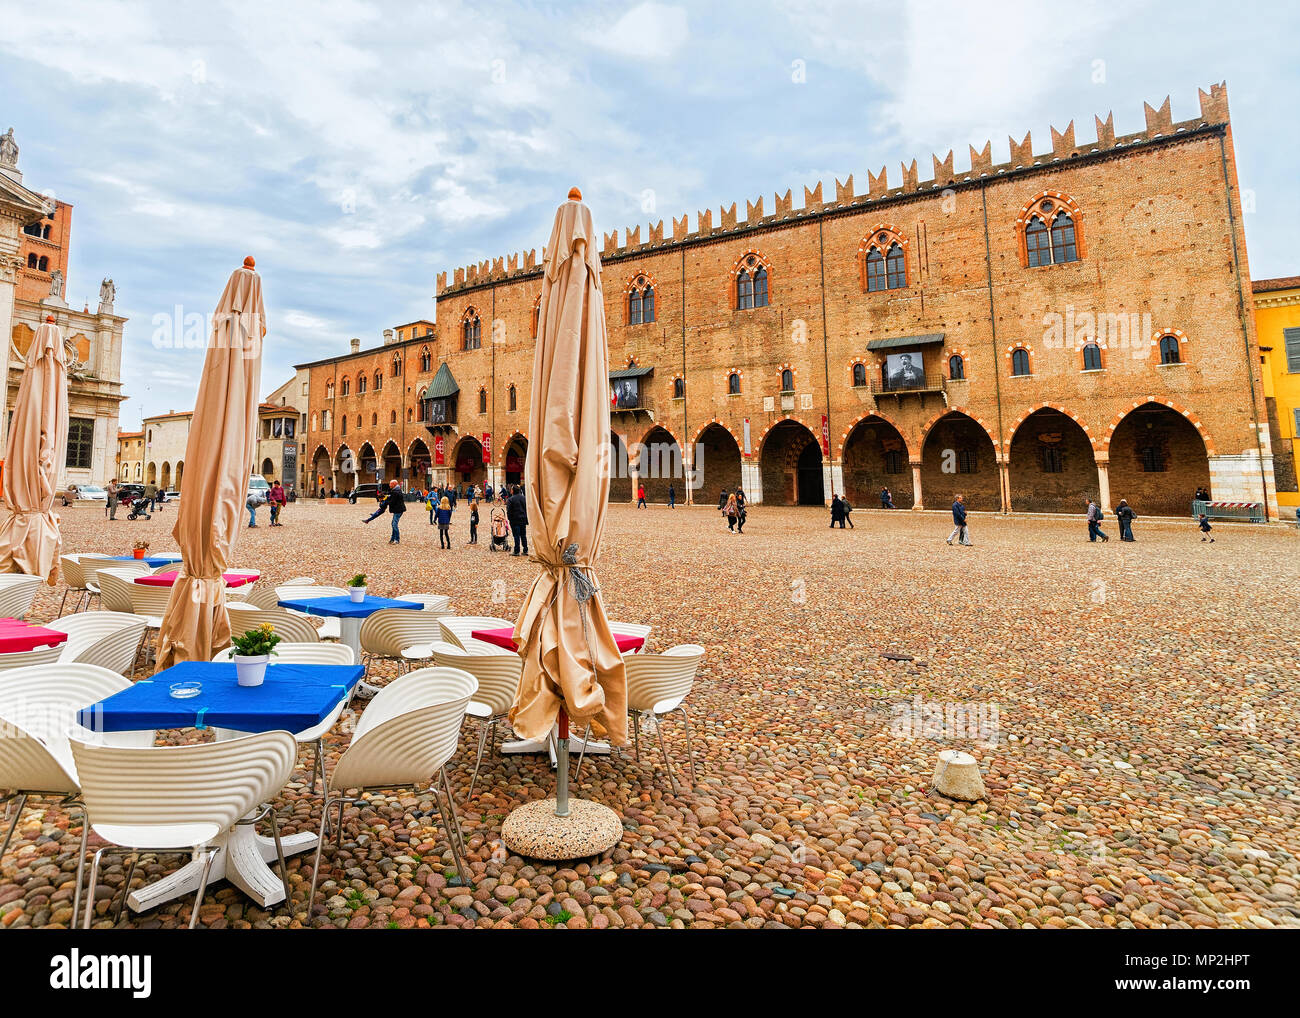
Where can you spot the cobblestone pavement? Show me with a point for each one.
(1132, 706)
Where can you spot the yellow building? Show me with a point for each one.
(1277, 320)
(129, 465)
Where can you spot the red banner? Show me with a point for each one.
(826, 435)
(487, 447)
(438, 456)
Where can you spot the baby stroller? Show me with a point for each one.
(499, 530)
(136, 506)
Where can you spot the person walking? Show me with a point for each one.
(837, 511)
(886, 499)
(741, 512)
(487, 492)
(1205, 528)
(517, 514)
(731, 511)
(277, 500)
(672, 496)
(473, 520)
(959, 529)
(640, 496)
(151, 495)
(443, 514)
(110, 502)
(1094, 522)
(848, 511)
(431, 503)
(393, 502)
(1124, 513)
(722, 500)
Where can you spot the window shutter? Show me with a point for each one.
(1296, 412)
(1292, 338)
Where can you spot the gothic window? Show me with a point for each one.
(344, 424)
(1038, 243)
(733, 384)
(876, 279)
(471, 331)
(679, 388)
(43, 264)
(31, 261)
(426, 359)
(374, 420)
(1092, 357)
(956, 367)
(787, 380)
(1020, 361)
(482, 401)
(513, 398)
(1063, 247)
(1051, 231)
(361, 385)
(329, 390)
(751, 285)
(641, 302)
(379, 381)
(859, 375)
(392, 417)
(346, 386)
(1169, 353)
(397, 365)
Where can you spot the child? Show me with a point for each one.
(473, 521)
(1205, 527)
(500, 528)
(443, 512)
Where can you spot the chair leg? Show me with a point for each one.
(279, 855)
(81, 863)
(338, 832)
(690, 749)
(315, 866)
(582, 753)
(483, 729)
(317, 767)
(451, 824)
(90, 888)
(668, 764)
(208, 856)
(13, 821)
(66, 592)
(636, 734)
(126, 888)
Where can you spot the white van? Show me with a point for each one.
(258, 489)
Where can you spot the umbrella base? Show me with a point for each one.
(535, 832)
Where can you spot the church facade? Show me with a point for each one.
(1073, 323)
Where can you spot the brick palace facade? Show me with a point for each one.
(1073, 323)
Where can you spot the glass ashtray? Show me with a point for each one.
(185, 690)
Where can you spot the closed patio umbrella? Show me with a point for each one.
(572, 667)
(35, 451)
(218, 460)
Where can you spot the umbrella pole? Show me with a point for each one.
(562, 766)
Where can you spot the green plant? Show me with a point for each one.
(256, 642)
(357, 581)
(563, 916)
(141, 545)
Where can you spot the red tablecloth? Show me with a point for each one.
(169, 578)
(17, 635)
(505, 638)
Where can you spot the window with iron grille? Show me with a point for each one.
(893, 462)
(966, 463)
(81, 442)
(1053, 461)
(1169, 353)
(1153, 460)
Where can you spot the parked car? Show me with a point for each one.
(132, 489)
(364, 491)
(171, 495)
(258, 489)
(85, 492)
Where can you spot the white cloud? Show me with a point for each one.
(648, 31)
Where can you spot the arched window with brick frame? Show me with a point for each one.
(361, 385)
(1050, 229)
(1170, 353)
(397, 365)
(471, 330)
(733, 384)
(640, 300)
(345, 386)
(957, 367)
(859, 375)
(1020, 362)
(379, 380)
(426, 359)
(1091, 357)
(751, 282)
(882, 260)
(482, 401)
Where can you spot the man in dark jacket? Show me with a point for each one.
(395, 503)
(959, 521)
(837, 511)
(517, 515)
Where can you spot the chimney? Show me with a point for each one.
(388, 337)
(356, 346)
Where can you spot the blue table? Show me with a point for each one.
(349, 613)
(153, 561)
(292, 698)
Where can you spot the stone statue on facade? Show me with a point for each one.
(56, 284)
(8, 149)
(107, 291)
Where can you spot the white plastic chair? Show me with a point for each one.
(108, 639)
(23, 658)
(632, 629)
(256, 595)
(434, 604)
(289, 626)
(115, 585)
(180, 798)
(74, 580)
(17, 592)
(457, 629)
(312, 653)
(498, 678)
(656, 686)
(405, 736)
(398, 634)
(38, 710)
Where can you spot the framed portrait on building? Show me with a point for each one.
(627, 393)
(905, 370)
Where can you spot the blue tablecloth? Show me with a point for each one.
(292, 698)
(344, 607)
(153, 561)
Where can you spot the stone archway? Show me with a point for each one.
(717, 463)
(659, 466)
(1052, 468)
(421, 463)
(180, 473)
(512, 463)
(153, 473)
(166, 477)
(467, 462)
(875, 456)
(390, 462)
(790, 465)
(1157, 461)
(620, 470)
(367, 464)
(958, 457)
(268, 469)
(345, 470)
(322, 478)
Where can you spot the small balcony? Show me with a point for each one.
(931, 385)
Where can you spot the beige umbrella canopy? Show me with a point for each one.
(218, 458)
(36, 449)
(570, 658)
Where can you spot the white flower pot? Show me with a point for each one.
(358, 594)
(250, 671)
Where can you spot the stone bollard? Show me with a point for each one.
(957, 775)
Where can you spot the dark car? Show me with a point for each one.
(364, 491)
(133, 490)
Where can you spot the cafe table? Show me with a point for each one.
(350, 615)
(152, 561)
(505, 637)
(168, 579)
(292, 698)
(17, 636)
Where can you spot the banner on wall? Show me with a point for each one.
(747, 449)
(439, 456)
(826, 435)
(487, 447)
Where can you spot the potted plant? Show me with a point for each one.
(140, 548)
(251, 653)
(357, 588)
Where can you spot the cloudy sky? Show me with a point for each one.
(357, 149)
